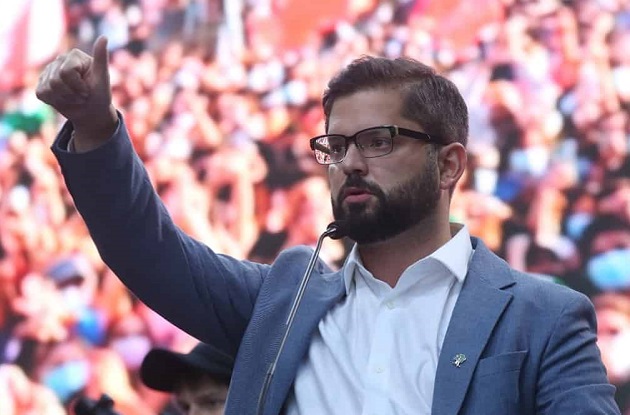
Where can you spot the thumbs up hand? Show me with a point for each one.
(77, 86)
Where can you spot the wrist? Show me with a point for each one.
(88, 136)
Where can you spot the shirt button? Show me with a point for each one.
(379, 370)
(390, 305)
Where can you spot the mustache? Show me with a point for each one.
(357, 182)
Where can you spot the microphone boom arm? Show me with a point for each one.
(330, 231)
(334, 231)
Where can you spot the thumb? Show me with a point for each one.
(100, 57)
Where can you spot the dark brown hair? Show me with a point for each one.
(429, 99)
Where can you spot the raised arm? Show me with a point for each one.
(208, 295)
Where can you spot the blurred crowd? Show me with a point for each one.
(223, 129)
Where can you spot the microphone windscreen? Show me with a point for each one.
(336, 229)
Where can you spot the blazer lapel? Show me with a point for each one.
(479, 306)
(322, 292)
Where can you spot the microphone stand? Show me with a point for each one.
(334, 231)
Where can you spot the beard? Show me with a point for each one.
(401, 208)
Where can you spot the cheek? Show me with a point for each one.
(335, 180)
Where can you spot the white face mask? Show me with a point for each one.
(486, 180)
(618, 357)
(132, 349)
(74, 299)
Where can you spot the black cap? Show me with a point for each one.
(161, 369)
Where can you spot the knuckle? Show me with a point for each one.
(67, 66)
(55, 83)
(43, 94)
(66, 74)
(76, 54)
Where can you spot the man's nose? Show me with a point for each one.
(354, 162)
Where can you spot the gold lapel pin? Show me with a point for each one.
(458, 359)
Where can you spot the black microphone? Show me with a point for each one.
(335, 230)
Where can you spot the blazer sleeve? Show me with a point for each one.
(572, 378)
(208, 295)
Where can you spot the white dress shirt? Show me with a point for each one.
(376, 352)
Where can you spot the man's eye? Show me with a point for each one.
(336, 149)
(377, 143)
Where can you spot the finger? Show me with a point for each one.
(101, 59)
(71, 76)
(42, 85)
(54, 91)
(63, 69)
(63, 94)
(44, 91)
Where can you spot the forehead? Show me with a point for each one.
(365, 109)
(610, 239)
(204, 386)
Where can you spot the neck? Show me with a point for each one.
(387, 260)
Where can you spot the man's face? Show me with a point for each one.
(203, 397)
(380, 197)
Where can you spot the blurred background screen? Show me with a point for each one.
(220, 98)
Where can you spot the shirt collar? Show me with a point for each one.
(454, 255)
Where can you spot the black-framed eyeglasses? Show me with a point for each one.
(371, 142)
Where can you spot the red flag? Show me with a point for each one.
(31, 32)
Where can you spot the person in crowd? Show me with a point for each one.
(198, 380)
(613, 337)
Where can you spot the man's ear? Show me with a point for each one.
(452, 159)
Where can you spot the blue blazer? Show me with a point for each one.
(530, 345)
